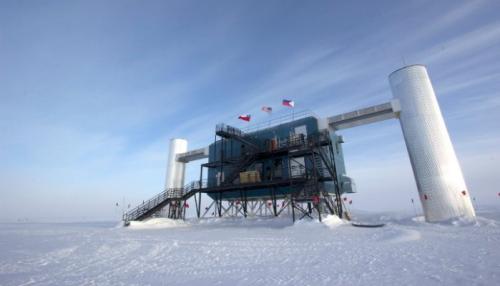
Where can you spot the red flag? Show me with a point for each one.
(267, 109)
(245, 117)
(288, 102)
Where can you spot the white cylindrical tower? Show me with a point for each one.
(441, 186)
(175, 169)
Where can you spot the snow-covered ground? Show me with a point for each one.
(407, 251)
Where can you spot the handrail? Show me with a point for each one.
(295, 142)
(279, 120)
(172, 193)
(223, 129)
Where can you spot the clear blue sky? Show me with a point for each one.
(91, 91)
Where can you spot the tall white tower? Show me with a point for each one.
(441, 186)
(175, 169)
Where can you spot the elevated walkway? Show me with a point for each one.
(193, 155)
(365, 115)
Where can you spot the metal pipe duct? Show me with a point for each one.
(175, 169)
(441, 185)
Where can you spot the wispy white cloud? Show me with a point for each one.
(444, 21)
(475, 41)
(101, 125)
(482, 106)
(457, 85)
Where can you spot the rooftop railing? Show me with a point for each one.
(279, 120)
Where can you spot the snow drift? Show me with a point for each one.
(156, 223)
(236, 251)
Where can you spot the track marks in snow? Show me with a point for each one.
(228, 253)
(398, 235)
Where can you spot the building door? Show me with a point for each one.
(297, 167)
(302, 129)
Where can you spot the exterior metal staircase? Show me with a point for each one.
(239, 167)
(226, 131)
(158, 202)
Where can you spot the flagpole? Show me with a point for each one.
(289, 103)
(414, 208)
